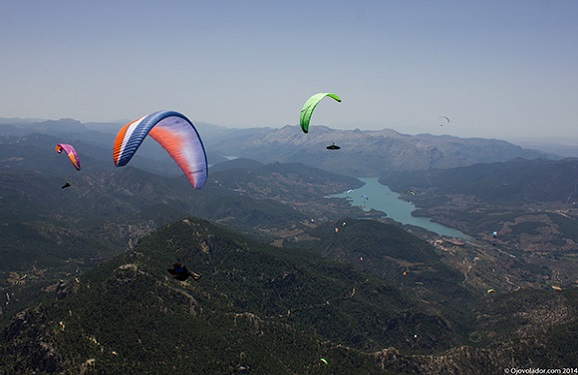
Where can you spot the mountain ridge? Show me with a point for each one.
(382, 151)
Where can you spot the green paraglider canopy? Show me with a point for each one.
(309, 107)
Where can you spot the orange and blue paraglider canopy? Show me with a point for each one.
(175, 133)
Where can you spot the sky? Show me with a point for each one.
(496, 68)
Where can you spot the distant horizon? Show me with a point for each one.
(545, 144)
(496, 69)
(553, 139)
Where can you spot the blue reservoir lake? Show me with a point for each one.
(380, 197)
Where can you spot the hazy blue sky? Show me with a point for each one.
(496, 68)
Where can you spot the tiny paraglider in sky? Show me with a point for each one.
(66, 185)
(365, 196)
(447, 120)
(349, 191)
(309, 107)
(324, 361)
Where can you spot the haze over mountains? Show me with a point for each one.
(84, 277)
(381, 151)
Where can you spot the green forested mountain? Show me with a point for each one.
(261, 310)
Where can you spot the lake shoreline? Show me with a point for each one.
(374, 195)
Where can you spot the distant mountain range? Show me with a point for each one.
(368, 153)
(362, 153)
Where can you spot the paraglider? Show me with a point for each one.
(67, 184)
(70, 152)
(181, 272)
(365, 197)
(409, 191)
(333, 146)
(491, 291)
(175, 133)
(445, 118)
(494, 235)
(349, 191)
(309, 107)
(324, 361)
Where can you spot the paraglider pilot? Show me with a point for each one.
(333, 147)
(67, 184)
(181, 272)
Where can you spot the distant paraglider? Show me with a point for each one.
(309, 107)
(70, 152)
(175, 133)
(447, 120)
(181, 273)
(66, 185)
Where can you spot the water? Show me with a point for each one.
(381, 198)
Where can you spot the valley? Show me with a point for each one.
(290, 274)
